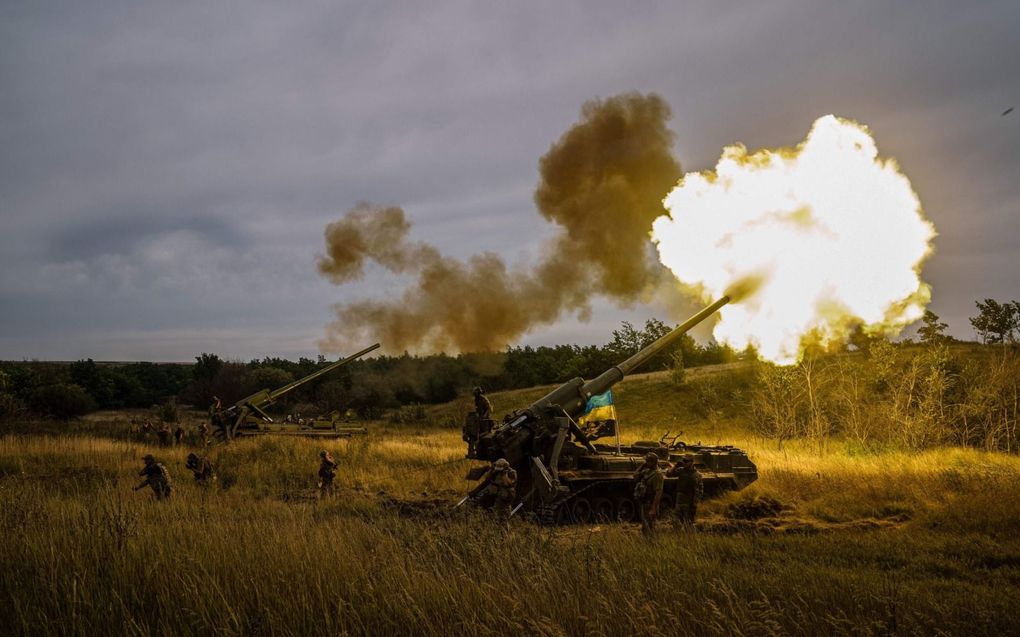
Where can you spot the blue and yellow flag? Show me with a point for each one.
(599, 417)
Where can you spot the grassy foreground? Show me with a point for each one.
(877, 543)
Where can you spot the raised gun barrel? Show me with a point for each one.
(573, 395)
(245, 413)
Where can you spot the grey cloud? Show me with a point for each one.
(171, 166)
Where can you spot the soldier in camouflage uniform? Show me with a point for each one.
(689, 489)
(483, 408)
(201, 468)
(203, 432)
(648, 492)
(503, 487)
(179, 435)
(164, 435)
(327, 472)
(157, 478)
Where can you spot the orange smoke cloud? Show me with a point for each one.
(602, 183)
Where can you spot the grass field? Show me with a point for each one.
(876, 542)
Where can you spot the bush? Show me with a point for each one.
(64, 401)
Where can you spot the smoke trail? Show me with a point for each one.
(602, 183)
(832, 236)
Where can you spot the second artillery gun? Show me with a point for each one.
(564, 476)
(247, 417)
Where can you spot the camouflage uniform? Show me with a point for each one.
(689, 489)
(179, 435)
(201, 468)
(503, 486)
(327, 472)
(203, 432)
(164, 435)
(648, 492)
(482, 406)
(157, 478)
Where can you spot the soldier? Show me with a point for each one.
(203, 432)
(327, 471)
(164, 435)
(648, 491)
(147, 426)
(483, 408)
(156, 477)
(503, 486)
(689, 489)
(179, 435)
(201, 468)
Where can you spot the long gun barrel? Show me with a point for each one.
(573, 395)
(276, 393)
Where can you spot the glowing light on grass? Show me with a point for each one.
(832, 234)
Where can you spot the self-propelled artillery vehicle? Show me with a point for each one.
(247, 417)
(564, 476)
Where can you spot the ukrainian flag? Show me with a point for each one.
(599, 417)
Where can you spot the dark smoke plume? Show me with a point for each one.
(602, 182)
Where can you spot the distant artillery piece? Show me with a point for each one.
(247, 417)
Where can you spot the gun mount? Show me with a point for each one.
(563, 475)
(247, 416)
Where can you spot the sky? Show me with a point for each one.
(167, 169)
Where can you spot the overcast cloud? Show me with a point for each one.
(167, 169)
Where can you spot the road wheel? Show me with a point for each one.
(604, 510)
(581, 510)
(626, 510)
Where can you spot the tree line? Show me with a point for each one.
(368, 388)
(364, 387)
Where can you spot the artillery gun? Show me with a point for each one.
(247, 417)
(564, 476)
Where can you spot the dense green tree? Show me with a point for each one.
(997, 322)
(932, 329)
(62, 400)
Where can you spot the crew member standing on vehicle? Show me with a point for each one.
(648, 483)
(483, 408)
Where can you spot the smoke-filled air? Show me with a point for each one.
(602, 183)
(831, 236)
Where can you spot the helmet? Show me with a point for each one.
(478, 390)
(501, 464)
(192, 457)
(148, 458)
(687, 460)
(323, 453)
(651, 457)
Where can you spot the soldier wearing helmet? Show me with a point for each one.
(201, 468)
(503, 486)
(689, 489)
(648, 482)
(157, 478)
(327, 472)
(483, 408)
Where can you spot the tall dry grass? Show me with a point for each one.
(257, 554)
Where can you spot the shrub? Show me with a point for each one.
(62, 401)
